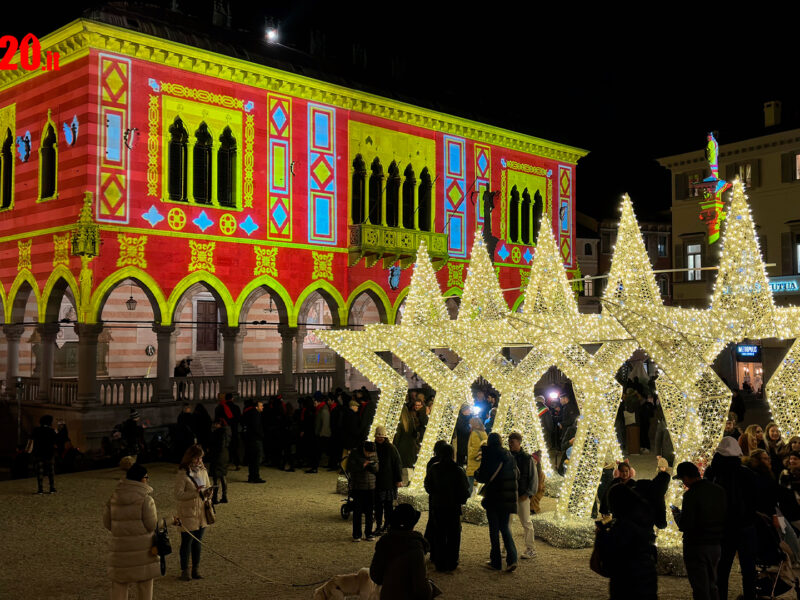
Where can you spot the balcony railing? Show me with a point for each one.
(392, 244)
(132, 391)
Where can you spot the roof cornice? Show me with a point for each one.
(74, 40)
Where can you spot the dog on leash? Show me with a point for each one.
(357, 584)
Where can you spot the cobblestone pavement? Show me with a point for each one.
(288, 530)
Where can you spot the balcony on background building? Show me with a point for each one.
(392, 244)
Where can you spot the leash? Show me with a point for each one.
(250, 571)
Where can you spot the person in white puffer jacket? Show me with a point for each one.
(130, 515)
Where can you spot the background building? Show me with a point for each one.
(768, 162)
(164, 197)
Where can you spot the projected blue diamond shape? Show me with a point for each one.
(279, 215)
(482, 163)
(248, 225)
(203, 222)
(152, 216)
(503, 252)
(527, 256)
(279, 117)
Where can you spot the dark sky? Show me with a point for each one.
(628, 86)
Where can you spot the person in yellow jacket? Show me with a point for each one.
(477, 438)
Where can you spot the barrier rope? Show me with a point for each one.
(245, 569)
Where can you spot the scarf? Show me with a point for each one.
(227, 409)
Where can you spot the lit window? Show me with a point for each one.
(797, 166)
(694, 261)
(662, 246)
(797, 257)
(745, 173)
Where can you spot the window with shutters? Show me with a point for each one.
(226, 169)
(663, 285)
(790, 167)
(692, 179)
(694, 260)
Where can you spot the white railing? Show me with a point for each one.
(308, 383)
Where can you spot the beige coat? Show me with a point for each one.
(476, 440)
(191, 510)
(130, 516)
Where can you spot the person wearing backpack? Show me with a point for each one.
(741, 494)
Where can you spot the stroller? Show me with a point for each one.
(348, 502)
(775, 577)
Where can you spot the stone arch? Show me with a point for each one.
(398, 304)
(144, 281)
(18, 296)
(213, 285)
(517, 306)
(452, 300)
(60, 281)
(330, 294)
(257, 288)
(378, 296)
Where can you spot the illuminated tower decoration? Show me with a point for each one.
(712, 204)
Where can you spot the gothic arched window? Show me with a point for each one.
(525, 218)
(201, 164)
(375, 215)
(409, 210)
(177, 161)
(424, 216)
(537, 214)
(393, 196)
(6, 170)
(226, 169)
(48, 159)
(359, 182)
(513, 216)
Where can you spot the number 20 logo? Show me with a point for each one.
(30, 54)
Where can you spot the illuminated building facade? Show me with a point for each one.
(235, 207)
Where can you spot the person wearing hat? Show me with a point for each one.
(133, 433)
(351, 427)
(702, 521)
(130, 515)
(388, 479)
(362, 466)
(448, 489)
(741, 495)
(399, 560)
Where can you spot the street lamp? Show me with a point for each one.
(131, 302)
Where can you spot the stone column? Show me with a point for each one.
(47, 335)
(229, 337)
(165, 362)
(13, 334)
(87, 363)
(239, 350)
(287, 387)
(301, 334)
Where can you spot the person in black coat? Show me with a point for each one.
(448, 489)
(498, 471)
(201, 425)
(740, 485)
(389, 478)
(351, 427)
(228, 409)
(462, 434)
(308, 439)
(367, 413)
(253, 432)
(336, 408)
(183, 435)
(627, 546)
(217, 459)
(44, 452)
(398, 564)
(290, 431)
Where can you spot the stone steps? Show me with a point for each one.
(210, 364)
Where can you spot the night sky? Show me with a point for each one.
(627, 86)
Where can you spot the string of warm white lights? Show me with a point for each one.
(682, 342)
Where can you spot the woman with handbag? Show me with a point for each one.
(130, 516)
(193, 493)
